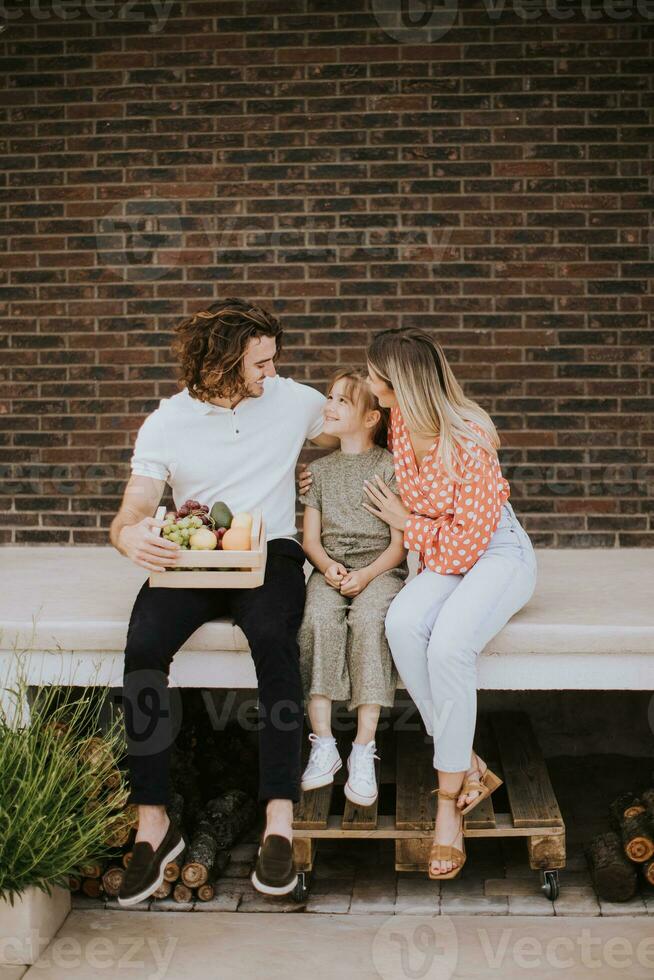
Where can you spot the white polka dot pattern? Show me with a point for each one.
(450, 525)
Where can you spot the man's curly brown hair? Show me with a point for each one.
(210, 346)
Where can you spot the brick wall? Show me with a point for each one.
(491, 182)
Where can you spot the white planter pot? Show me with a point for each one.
(30, 924)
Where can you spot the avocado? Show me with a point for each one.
(221, 515)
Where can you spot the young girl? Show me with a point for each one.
(360, 566)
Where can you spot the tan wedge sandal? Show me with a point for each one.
(487, 784)
(445, 852)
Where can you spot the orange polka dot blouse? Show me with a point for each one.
(450, 524)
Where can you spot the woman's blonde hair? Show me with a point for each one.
(430, 399)
(357, 390)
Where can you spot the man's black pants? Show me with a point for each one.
(161, 622)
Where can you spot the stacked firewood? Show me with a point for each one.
(624, 854)
(194, 873)
(214, 781)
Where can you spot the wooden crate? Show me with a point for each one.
(220, 569)
(506, 742)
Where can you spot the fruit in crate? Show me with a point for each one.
(203, 539)
(221, 515)
(192, 526)
(242, 520)
(236, 539)
(180, 529)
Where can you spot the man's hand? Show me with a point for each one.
(304, 478)
(354, 582)
(140, 544)
(335, 574)
(388, 506)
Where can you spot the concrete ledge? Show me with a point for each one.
(589, 625)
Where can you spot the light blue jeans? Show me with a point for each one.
(438, 624)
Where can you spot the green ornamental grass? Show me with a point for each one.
(58, 788)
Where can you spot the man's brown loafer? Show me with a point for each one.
(275, 872)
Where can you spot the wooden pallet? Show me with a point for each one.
(506, 742)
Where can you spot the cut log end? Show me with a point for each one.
(639, 849)
(182, 893)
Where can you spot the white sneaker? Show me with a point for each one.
(361, 785)
(324, 761)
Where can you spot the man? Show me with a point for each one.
(234, 433)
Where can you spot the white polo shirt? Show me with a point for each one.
(244, 456)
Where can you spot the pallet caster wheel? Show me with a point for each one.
(301, 891)
(550, 884)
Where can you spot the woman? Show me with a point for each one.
(477, 565)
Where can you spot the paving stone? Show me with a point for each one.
(373, 894)
(243, 852)
(144, 906)
(461, 886)
(78, 900)
(238, 869)
(518, 887)
(416, 895)
(576, 901)
(170, 905)
(530, 905)
(329, 886)
(635, 906)
(227, 897)
(573, 879)
(332, 865)
(331, 902)
(473, 904)
(254, 901)
(647, 895)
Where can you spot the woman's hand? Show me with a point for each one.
(354, 582)
(304, 479)
(389, 506)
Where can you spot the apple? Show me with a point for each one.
(203, 540)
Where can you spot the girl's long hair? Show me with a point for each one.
(430, 399)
